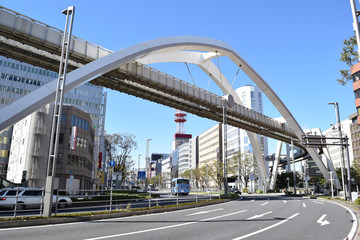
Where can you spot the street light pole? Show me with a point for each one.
(331, 181)
(228, 101)
(342, 163)
(138, 168)
(293, 160)
(225, 149)
(55, 127)
(147, 162)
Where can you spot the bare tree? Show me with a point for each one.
(118, 149)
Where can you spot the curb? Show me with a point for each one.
(59, 219)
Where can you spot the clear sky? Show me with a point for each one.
(293, 45)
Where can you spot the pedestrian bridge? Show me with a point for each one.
(37, 43)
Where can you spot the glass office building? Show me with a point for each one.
(18, 79)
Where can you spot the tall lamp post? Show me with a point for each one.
(138, 176)
(55, 127)
(342, 162)
(147, 161)
(228, 102)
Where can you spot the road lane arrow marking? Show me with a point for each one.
(258, 216)
(202, 212)
(322, 222)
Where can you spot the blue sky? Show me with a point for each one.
(293, 45)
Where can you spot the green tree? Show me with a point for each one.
(349, 55)
(355, 173)
(118, 149)
(282, 182)
(244, 164)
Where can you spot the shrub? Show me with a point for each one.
(357, 201)
(245, 190)
(259, 191)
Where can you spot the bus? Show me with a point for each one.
(180, 186)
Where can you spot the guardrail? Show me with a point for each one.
(96, 201)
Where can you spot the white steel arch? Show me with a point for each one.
(203, 61)
(28, 104)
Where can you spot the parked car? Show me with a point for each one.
(28, 198)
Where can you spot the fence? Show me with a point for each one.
(30, 201)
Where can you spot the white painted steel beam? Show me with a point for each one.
(275, 165)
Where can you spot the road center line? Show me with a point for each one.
(165, 227)
(267, 228)
(202, 212)
(260, 215)
(304, 205)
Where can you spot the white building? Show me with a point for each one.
(166, 171)
(188, 155)
(334, 151)
(238, 140)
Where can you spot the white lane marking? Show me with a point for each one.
(202, 212)
(165, 227)
(260, 215)
(40, 226)
(322, 221)
(252, 200)
(104, 220)
(285, 201)
(267, 228)
(304, 205)
(318, 202)
(264, 203)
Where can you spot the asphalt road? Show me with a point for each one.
(259, 217)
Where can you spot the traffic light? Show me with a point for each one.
(23, 178)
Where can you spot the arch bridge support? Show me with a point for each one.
(28, 104)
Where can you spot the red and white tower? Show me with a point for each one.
(180, 119)
(180, 137)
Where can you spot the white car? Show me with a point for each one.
(28, 198)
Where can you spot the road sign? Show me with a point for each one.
(112, 163)
(251, 176)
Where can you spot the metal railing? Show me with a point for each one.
(83, 201)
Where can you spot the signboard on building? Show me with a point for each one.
(73, 137)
